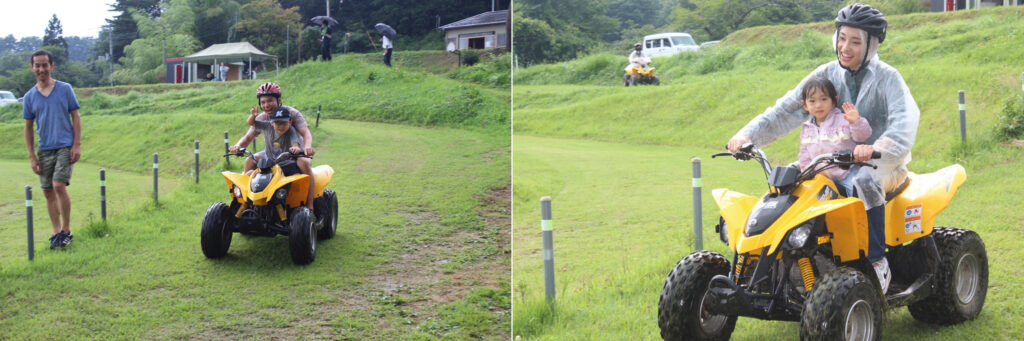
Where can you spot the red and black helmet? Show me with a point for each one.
(637, 46)
(268, 88)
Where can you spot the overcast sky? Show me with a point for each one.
(25, 18)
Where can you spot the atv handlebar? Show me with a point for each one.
(242, 152)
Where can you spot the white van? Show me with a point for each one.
(667, 44)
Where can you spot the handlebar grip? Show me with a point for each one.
(876, 155)
(720, 154)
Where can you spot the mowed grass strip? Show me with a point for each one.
(418, 253)
(622, 217)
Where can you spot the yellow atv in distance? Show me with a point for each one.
(800, 254)
(269, 202)
(640, 74)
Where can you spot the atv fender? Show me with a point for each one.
(734, 207)
(323, 174)
(240, 180)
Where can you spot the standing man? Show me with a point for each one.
(325, 41)
(223, 72)
(386, 44)
(53, 105)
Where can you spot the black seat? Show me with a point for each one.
(899, 189)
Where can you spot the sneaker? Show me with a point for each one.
(56, 239)
(884, 276)
(67, 239)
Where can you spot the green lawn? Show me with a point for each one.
(622, 216)
(421, 250)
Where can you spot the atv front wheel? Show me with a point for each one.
(655, 80)
(328, 208)
(961, 282)
(302, 239)
(215, 236)
(844, 305)
(682, 310)
(625, 80)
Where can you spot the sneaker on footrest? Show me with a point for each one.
(884, 276)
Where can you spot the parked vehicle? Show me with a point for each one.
(6, 97)
(708, 44)
(667, 44)
(799, 254)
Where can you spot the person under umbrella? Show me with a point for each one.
(325, 41)
(387, 36)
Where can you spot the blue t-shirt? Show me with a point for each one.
(52, 115)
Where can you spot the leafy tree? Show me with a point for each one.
(714, 19)
(143, 61)
(214, 20)
(263, 24)
(123, 25)
(54, 35)
(578, 27)
(534, 39)
(79, 47)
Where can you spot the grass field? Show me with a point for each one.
(616, 163)
(421, 251)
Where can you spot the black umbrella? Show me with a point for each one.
(320, 19)
(385, 30)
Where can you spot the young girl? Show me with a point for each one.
(830, 130)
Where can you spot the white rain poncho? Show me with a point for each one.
(637, 58)
(883, 99)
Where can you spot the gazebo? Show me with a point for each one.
(229, 53)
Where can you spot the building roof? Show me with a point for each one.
(485, 18)
(228, 52)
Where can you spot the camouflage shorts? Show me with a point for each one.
(56, 165)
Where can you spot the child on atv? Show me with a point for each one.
(830, 130)
(269, 96)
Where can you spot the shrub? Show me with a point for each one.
(1010, 124)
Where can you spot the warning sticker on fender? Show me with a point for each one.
(912, 219)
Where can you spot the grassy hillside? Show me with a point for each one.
(345, 88)
(422, 246)
(616, 163)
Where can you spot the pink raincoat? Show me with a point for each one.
(834, 135)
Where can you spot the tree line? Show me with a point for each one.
(557, 30)
(141, 33)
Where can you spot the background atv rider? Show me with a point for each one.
(269, 96)
(880, 95)
(637, 57)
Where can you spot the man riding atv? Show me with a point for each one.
(269, 97)
(639, 69)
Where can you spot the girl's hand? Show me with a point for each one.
(253, 111)
(850, 113)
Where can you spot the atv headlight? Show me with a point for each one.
(236, 191)
(281, 193)
(799, 236)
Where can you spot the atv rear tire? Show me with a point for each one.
(625, 80)
(655, 80)
(302, 239)
(328, 214)
(215, 236)
(681, 311)
(961, 282)
(844, 305)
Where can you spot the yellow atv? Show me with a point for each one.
(637, 75)
(800, 254)
(271, 202)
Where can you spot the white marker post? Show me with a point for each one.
(549, 256)
(28, 213)
(103, 193)
(156, 197)
(963, 119)
(698, 238)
